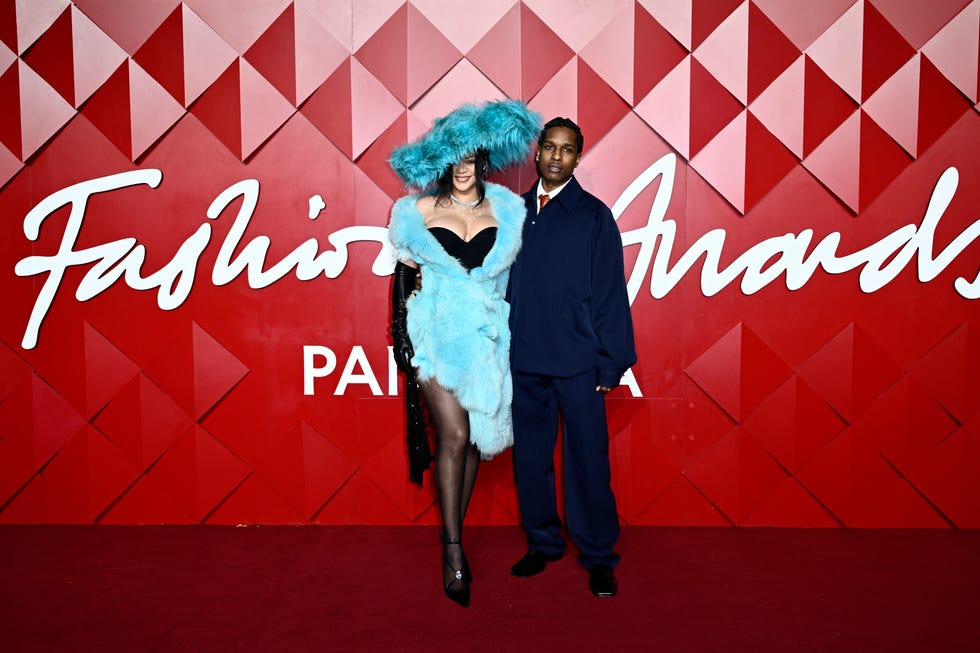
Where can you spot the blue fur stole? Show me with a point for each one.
(458, 321)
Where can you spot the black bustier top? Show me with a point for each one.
(470, 253)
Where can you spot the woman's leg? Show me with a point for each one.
(454, 475)
(469, 477)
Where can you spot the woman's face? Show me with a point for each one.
(464, 175)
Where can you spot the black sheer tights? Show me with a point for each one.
(457, 462)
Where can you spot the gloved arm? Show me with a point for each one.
(419, 452)
(403, 286)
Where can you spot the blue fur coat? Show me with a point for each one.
(458, 321)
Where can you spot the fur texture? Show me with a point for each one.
(458, 321)
(504, 128)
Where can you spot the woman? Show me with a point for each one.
(451, 335)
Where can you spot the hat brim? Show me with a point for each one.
(504, 128)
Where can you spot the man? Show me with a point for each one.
(572, 340)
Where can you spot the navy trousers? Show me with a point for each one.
(590, 506)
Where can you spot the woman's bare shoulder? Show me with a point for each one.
(425, 202)
(427, 207)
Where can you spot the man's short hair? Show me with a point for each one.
(563, 122)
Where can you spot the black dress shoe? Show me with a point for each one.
(602, 581)
(533, 563)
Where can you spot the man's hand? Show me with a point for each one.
(603, 389)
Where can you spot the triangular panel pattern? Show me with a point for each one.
(950, 371)
(498, 53)
(92, 56)
(129, 28)
(464, 24)
(736, 475)
(143, 421)
(238, 28)
(793, 423)
(242, 109)
(31, 20)
(296, 54)
(86, 476)
(849, 372)
(311, 472)
(198, 472)
(38, 423)
(860, 51)
(543, 53)
(746, 52)
(216, 370)
(916, 105)
(905, 424)
(408, 54)
(10, 165)
(35, 110)
(107, 370)
(788, 116)
(955, 50)
(152, 110)
(185, 55)
(947, 476)
(857, 161)
(738, 371)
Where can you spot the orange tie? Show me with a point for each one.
(542, 200)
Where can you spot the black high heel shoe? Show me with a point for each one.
(467, 575)
(457, 588)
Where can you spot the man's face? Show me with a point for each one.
(557, 157)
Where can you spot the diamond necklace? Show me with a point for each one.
(468, 205)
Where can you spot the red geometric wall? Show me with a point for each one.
(194, 198)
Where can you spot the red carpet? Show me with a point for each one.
(87, 588)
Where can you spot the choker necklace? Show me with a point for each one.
(459, 202)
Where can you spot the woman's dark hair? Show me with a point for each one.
(568, 124)
(444, 185)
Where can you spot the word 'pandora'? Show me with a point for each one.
(790, 255)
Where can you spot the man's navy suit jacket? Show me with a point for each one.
(569, 304)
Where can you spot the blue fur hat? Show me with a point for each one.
(504, 128)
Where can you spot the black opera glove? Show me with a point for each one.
(403, 287)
